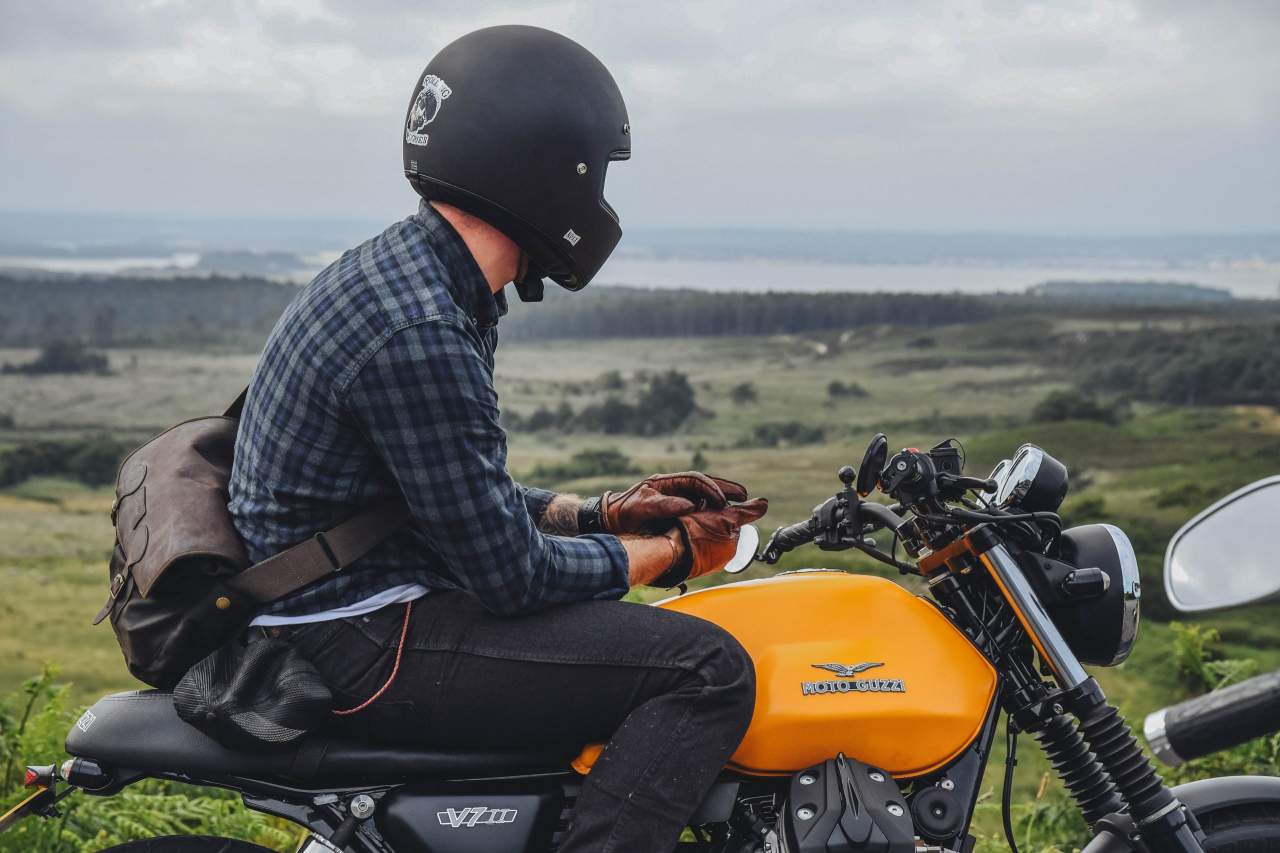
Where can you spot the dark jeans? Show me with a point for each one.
(672, 694)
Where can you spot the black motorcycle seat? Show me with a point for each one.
(140, 731)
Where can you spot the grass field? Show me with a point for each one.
(1148, 474)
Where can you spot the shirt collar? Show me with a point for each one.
(467, 284)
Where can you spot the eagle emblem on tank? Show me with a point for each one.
(846, 670)
(426, 106)
(854, 685)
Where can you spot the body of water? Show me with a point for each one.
(178, 261)
(1244, 278)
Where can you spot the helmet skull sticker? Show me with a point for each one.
(426, 106)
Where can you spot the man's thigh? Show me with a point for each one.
(561, 676)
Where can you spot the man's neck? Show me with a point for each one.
(496, 255)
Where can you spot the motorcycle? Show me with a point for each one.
(876, 708)
(1242, 522)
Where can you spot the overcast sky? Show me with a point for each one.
(1087, 116)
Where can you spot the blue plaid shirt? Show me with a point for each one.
(377, 382)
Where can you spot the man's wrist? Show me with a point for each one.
(561, 516)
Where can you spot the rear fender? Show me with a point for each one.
(1203, 797)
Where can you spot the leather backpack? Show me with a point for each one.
(180, 581)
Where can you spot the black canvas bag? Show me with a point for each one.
(180, 581)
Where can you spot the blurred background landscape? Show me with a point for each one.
(1002, 224)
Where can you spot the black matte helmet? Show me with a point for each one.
(516, 125)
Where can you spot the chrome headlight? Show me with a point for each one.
(1101, 630)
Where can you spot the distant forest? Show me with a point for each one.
(114, 311)
(125, 311)
(240, 311)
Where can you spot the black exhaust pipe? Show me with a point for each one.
(1214, 721)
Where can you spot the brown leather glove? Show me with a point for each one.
(652, 504)
(708, 540)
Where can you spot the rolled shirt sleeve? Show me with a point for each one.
(427, 402)
(536, 501)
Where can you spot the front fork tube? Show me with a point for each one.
(1163, 822)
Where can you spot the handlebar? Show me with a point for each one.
(830, 519)
(1215, 720)
(792, 536)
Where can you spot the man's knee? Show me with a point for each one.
(729, 669)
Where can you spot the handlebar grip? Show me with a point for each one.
(794, 535)
(1216, 720)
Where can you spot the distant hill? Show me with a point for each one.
(1130, 292)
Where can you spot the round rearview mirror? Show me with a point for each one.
(872, 464)
(748, 542)
(1226, 556)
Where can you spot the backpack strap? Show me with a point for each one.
(326, 553)
(237, 405)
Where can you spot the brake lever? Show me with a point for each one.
(887, 518)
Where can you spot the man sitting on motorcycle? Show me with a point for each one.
(492, 618)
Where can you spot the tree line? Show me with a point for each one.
(137, 310)
(126, 310)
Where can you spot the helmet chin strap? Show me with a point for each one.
(528, 280)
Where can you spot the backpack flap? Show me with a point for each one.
(183, 473)
(176, 549)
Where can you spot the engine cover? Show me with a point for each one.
(843, 806)
(470, 817)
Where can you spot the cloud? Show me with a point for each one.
(925, 114)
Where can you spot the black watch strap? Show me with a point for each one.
(589, 520)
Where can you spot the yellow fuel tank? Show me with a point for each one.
(853, 664)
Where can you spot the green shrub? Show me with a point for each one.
(611, 380)
(837, 390)
(1074, 405)
(1088, 510)
(784, 434)
(663, 405)
(92, 461)
(1190, 495)
(1200, 665)
(541, 418)
(743, 393)
(63, 357)
(614, 416)
(606, 462)
(1191, 652)
(1202, 668)
(33, 724)
(1260, 757)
